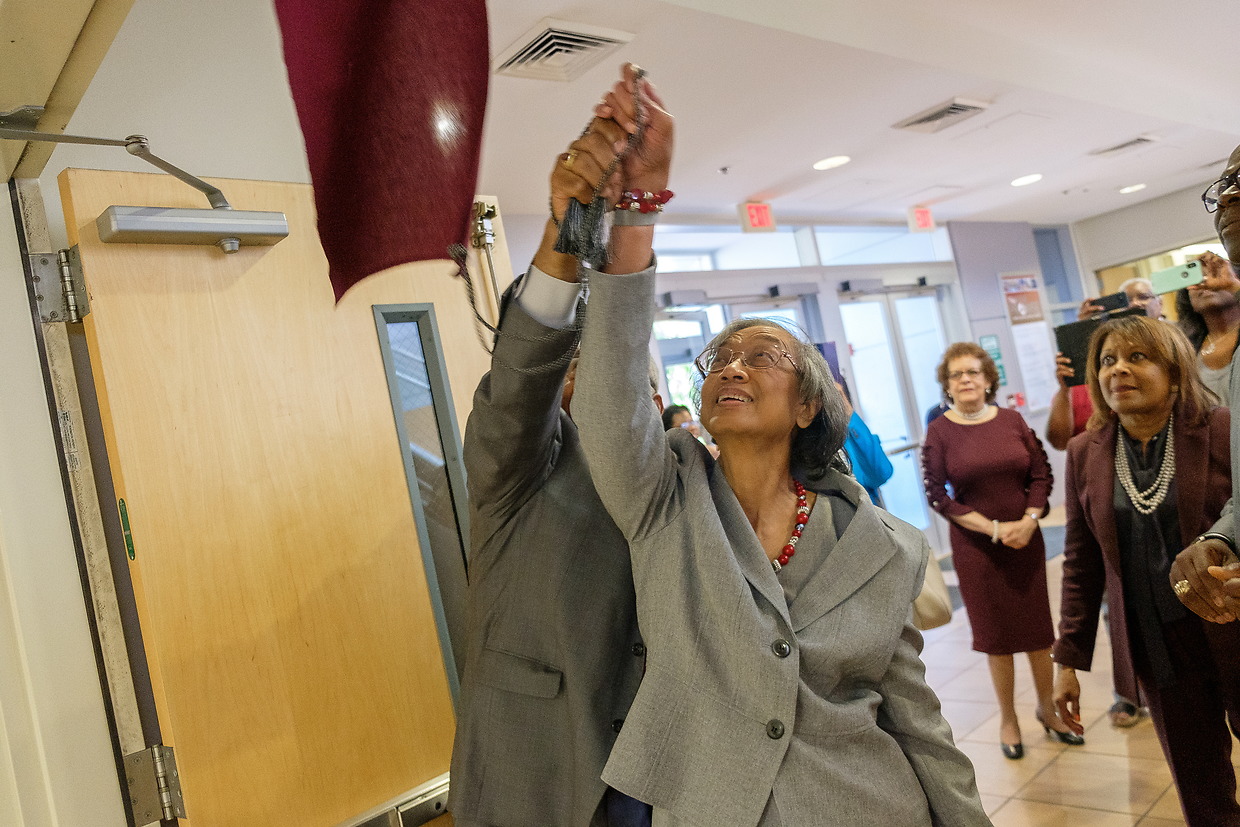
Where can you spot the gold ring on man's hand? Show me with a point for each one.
(569, 158)
(1181, 587)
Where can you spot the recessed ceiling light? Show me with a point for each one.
(1131, 188)
(1026, 180)
(832, 162)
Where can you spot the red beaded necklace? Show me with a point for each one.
(802, 518)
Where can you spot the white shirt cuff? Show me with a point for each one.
(548, 300)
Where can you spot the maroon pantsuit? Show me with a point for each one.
(1191, 715)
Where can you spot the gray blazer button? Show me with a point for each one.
(781, 648)
(775, 729)
(639, 649)
(617, 724)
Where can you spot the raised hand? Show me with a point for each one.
(579, 171)
(1088, 309)
(647, 166)
(1063, 369)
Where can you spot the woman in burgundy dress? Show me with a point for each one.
(1001, 481)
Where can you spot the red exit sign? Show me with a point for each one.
(920, 220)
(756, 217)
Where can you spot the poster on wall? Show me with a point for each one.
(1021, 297)
(990, 344)
(1037, 362)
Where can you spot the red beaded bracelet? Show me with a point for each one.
(643, 201)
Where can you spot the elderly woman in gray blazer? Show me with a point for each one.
(783, 682)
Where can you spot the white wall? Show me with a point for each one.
(58, 757)
(1144, 229)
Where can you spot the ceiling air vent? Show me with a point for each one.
(938, 118)
(1126, 146)
(558, 50)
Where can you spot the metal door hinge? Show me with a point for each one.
(59, 286)
(154, 786)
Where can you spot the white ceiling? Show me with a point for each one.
(762, 88)
(766, 89)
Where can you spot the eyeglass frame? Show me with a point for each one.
(1223, 184)
(743, 356)
(972, 373)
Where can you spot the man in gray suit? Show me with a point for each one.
(553, 656)
(1206, 575)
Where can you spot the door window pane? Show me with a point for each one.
(430, 448)
(875, 373)
(903, 494)
(922, 332)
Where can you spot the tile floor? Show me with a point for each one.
(1119, 777)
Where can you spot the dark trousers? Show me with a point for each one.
(619, 810)
(1191, 717)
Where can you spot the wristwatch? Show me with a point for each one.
(1215, 535)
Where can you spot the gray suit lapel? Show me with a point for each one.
(748, 551)
(859, 554)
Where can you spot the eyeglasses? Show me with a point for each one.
(760, 357)
(1214, 191)
(957, 375)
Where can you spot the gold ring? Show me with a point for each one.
(1181, 587)
(569, 158)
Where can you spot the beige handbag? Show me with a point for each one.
(933, 607)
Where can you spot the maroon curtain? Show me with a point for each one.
(391, 96)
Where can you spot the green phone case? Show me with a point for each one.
(1173, 278)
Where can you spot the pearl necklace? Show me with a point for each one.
(1146, 502)
(802, 518)
(972, 417)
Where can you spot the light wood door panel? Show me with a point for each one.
(284, 607)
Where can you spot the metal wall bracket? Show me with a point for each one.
(23, 117)
(483, 238)
(59, 285)
(154, 786)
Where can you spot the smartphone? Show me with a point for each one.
(1112, 301)
(1173, 278)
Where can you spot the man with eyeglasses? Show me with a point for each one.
(1206, 575)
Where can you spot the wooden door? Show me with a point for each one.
(285, 612)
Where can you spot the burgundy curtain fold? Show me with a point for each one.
(391, 96)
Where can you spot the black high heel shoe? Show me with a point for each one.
(1069, 738)
(1012, 752)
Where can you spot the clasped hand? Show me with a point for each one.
(580, 171)
(1213, 575)
(1017, 533)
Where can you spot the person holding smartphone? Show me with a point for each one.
(1209, 315)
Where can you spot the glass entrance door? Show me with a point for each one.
(895, 341)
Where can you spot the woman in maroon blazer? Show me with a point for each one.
(1150, 474)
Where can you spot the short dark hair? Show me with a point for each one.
(671, 412)
(816, 448)
(957, 349)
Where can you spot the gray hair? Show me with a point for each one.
(815, 449)
(1123, 288)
